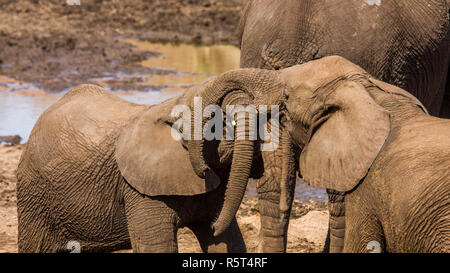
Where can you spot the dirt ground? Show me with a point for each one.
(307, 229)
(9, 159)
(58, 46)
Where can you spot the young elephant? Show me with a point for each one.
(376, 143)
(401, 42)
(101, 173)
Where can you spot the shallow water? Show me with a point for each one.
(178, 67)
(198, 59)
(19, 113)
(182, 65)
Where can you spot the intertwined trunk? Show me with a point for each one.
(259, 86)
(237, 182)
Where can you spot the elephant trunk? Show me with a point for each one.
(254, 82)
(237, 183)
(287, 172)
(275, 196)
(258, 86)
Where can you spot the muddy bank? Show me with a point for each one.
(307, 229)
(58, 46)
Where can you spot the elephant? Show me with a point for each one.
(378, 144)
(404, 43)
(99, 173)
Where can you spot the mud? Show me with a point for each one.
(58, 46)
(307, 229)
(9, 159)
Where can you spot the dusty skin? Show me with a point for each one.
(307, 228)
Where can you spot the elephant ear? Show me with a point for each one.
(392, 89)
(344, 139)
(153, 162)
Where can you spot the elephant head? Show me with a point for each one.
(239, 87)
(337, 122)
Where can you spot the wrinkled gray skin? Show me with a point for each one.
(405, 43)
(376, 143)
(106, 173)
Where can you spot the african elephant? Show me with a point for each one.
(405, 43)
(102, 174)
(377, 143)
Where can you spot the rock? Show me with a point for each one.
(11, 140)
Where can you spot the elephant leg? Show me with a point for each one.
(363, 230)
(336, 229)
(37, 232)
(363, 237)
(274, 223)
(34, 236)
(152, 225)
(230, 241)
(273, 234)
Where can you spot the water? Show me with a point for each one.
(197, 59)
(19, 113)
(22, 103)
